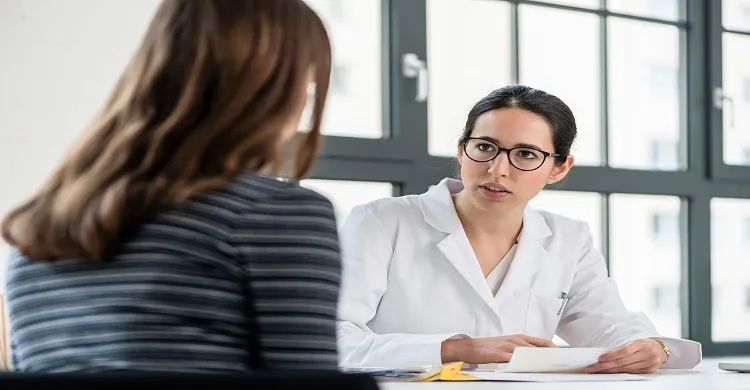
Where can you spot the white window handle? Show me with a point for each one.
(719, 99)
(413, 67)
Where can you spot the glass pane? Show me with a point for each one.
(736, 76)
(354, 106)
(659, 9)
(730, 270)
(345, 195)
(644, 95)
(468, 47)
(576, 3)
(648, 274)
(583, 206)
(559, 53)
(736, 14)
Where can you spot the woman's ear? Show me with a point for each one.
(460, 155)
(560, 171)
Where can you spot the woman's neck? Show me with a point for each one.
(479, 223)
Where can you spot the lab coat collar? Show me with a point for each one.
(437, 205)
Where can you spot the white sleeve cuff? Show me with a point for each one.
(684, 354)
(360, 349)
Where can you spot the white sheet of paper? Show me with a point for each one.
(553, 360)
(542, 377)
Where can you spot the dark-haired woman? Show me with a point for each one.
(468, 272)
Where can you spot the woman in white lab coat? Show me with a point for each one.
(467, 272)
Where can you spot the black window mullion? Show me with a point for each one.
(715, 52)
(696, 272)
(736, 32)
(605, 223)
(388, 76)
(409, 35)
(694, 101)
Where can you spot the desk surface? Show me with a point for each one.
(706, 376)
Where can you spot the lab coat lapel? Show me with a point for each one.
(440, 213)
(458, 251)
(530, 257)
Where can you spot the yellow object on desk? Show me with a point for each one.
(451, 372)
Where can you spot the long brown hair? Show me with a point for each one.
(206, 96)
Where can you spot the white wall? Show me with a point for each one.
(60, 60)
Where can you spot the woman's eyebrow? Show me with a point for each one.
(487, 138)
(530, 146)
(518, 145)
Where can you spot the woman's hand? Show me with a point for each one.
(488, 350)
(638, 357)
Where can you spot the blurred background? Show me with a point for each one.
(660, 90)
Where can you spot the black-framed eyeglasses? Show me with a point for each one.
(521, 158)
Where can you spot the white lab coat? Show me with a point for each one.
(411, 280)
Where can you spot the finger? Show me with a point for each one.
(641, 367)
(504, 357)
(519, 341)
(621, 352)
(537, 342)
(643, 355)
(510, 346)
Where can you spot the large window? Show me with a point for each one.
(650, 82)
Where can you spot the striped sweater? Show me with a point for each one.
(244, 278)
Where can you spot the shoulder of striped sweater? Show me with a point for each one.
(14, 261)
(255, 186)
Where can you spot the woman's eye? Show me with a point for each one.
(527, 154)
(485, 147)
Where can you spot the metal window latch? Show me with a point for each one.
(414, 68)
(720, 99)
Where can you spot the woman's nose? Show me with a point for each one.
(500, 165)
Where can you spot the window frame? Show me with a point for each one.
(402, 157)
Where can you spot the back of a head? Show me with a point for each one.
(206, 97)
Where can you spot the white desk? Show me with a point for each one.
(707, 376)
